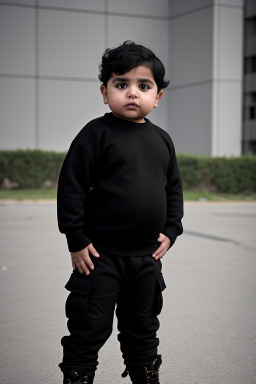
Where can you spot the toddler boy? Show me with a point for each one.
(120, 206)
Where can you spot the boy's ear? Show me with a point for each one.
(103, 90)
(158, 98)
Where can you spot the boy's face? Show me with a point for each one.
(133, 95)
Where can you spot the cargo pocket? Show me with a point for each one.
(160, 286)
(76, 304)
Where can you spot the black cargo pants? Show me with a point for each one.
(134, 285)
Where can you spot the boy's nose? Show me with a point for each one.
(132, 93)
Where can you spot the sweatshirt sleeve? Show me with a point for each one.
(173, 226)
(75, 180)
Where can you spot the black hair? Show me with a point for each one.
(127, 56)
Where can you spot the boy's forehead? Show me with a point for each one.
(140, 72)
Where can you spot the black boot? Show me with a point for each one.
(72, 376)
(144, 373)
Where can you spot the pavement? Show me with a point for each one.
(208, 324)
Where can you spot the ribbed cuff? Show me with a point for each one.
(172, 233)
(77, 241)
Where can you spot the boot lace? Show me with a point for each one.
(83, 380)
(152, 377)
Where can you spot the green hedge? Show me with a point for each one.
(220, 174)
(30, 168)
(37, 169)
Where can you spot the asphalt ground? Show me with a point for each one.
(208, 324)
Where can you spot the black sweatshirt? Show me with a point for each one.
(119, 187)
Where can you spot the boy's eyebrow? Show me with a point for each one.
(126, 79)
(146, 81)
(120, 79)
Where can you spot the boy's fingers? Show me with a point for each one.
(87, 260)
(161, 251)
(158, 250)
(93, 250)
(160, 255)
(161, 237)
(82, 261)
(82, 267)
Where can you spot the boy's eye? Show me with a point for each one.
(144, 87)
(121, 86)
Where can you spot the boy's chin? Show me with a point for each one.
(135, 119)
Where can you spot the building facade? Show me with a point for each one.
(249, 91)
(51, 49)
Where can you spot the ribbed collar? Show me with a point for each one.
(126, 123)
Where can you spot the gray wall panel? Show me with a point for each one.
(88, 5)
(227, 85)
(21, 2)
(190, 40)
(229, 30)
(65, 107)
(140, 7)
(190, 119)
(227, 119)
(17, 113)
(17, 40)
(183, 6)
(70, 44)
(236, 3)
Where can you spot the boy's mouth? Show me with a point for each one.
(132, 105)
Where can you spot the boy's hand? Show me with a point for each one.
(161, 251)
(82, 261)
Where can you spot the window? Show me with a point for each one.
(250, 27)
(250, 65)
(252, 112)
